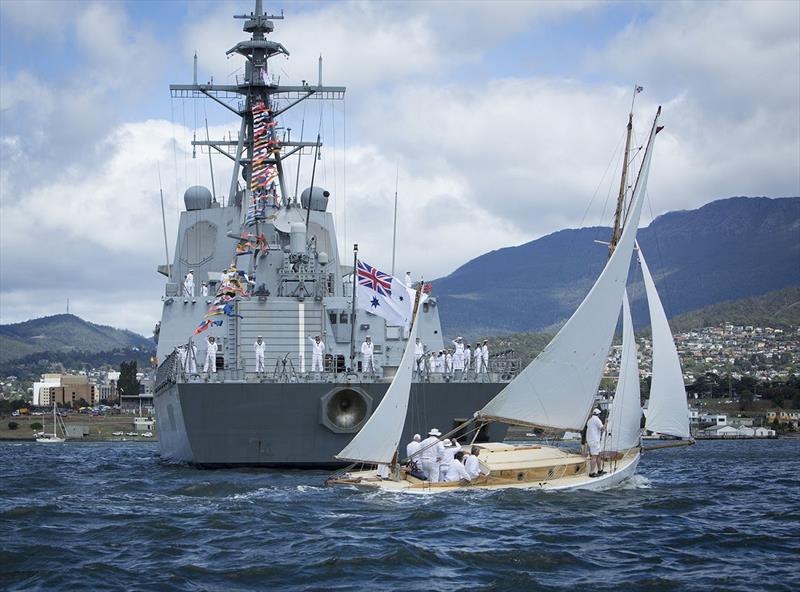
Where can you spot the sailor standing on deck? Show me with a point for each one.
(419, 353)
(477, 357)
(318, 351)
(467, 358)
(594, 435)
(367, 359)
(432, 453)
(259, 347)
(188, 284)
(190, 359)
(485, 356)
(204, 289)
(458, 357)
(448, 362)
(211, 355)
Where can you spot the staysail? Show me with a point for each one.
(624, 421)
(667, 411)
(557, 388)
(377, 441)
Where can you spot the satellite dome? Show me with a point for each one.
(319, 198)
(197, 198)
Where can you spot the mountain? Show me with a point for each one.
(64, 334)
(778, 309)
(726, 250)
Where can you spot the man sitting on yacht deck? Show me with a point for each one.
(456, 470)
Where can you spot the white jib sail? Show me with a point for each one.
(558, 387)
(667, 411)
(377, 441)
(624, 421)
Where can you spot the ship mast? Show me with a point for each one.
(623, 183)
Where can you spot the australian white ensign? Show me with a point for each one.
(384, 295)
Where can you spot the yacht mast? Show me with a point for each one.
(623, 183)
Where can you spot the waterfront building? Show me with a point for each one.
(64, 389)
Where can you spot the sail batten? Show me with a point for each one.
(624, 421)
(558, 387)
(378, 439)
(667, 410)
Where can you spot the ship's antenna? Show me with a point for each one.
(394, 230)
(311, 190)
(164, 221)
(299, 156)
(211, 165)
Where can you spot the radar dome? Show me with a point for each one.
(319, 198)
(197, 198)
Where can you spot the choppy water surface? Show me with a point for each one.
(716, 516)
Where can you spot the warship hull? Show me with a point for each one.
(298, 425)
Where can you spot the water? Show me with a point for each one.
(716, 516)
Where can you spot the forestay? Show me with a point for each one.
(377, 441)
(558, 387)
(624, 422)
(667, 411)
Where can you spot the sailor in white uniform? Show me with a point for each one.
(594, 435)
(211, 355)
(456, 471)
(472, 464)
(204, 289)
(408, 280)
(419, 352)
(318, 352)
(188, 284)
(448, 362)
(259, 347)
(477, 356)
(485, 357)
(467, 358)
(458, 358)
(432, 453)
(367, 355)
(411, 449)
(192, 358)
(450, 450)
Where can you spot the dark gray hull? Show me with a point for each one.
(301, 425)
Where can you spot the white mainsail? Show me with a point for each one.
(557, 388)
(667, 411)
(624, 421)
(377, 441)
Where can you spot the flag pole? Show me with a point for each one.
(353, 311)
(394, 229)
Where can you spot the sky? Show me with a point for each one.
(497, 123)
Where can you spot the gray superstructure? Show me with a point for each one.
(298, 287)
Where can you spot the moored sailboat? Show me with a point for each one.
(53, 438)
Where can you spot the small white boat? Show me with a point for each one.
(53, 438)
(117, 433)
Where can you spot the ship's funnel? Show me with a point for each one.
(319, 198)
(197, 198)
(297, 237)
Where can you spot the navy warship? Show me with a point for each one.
(263, 261)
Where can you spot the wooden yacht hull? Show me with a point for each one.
(541, 468)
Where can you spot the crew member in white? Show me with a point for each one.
(318, 351)
(594, 435)
(204, 289)
(458, 357)
(419, 352)
(411, 449)
(211, 355)
(191, 360)
(432, 453)
(450, 450)
(456, 470)
(472, 464)
(408, 279)
(259, 347)
(188, 284)
(477, 356)
(467, 358)
(367, 351)
(448, 362)
(485, 356)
